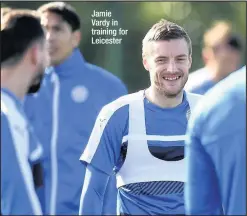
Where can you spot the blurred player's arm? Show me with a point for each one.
(17, 185)
(202, 192)
(101, 155)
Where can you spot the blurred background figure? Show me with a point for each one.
(24, 57)
(216, 151)
(221, 55)
(64, 111)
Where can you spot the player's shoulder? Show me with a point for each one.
(4, 108)
(103, 74)
(232, 87)
(4, 115)
(122, 102)
(224, 97)
(235, 83)
(7, 104)
(11, 111)
(222, 106)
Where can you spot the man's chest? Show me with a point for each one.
(80, 97)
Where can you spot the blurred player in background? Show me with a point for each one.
(221, 55)
(216, 150)
(64, 111)
(24, 56)
(140, 137)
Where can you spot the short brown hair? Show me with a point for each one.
(165, 30)
(65, 11)
(19, 29)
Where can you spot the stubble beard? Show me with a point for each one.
(161, 89)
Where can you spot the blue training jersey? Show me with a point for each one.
(216, 150)
(20, 151)
(63, 113)
(109, 151)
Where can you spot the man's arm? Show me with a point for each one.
(116, 90)
(17, 185)
(93, 191)
(110, 200)
(202, 192)
(101, 155)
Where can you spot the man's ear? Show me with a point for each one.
(190, 61)
(76, 38)
(145, 63)
(33, 54)
(207, 54)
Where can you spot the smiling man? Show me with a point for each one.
(140, 137)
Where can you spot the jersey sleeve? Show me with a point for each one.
(202, 193)
(110, 199)
(35, 148)
(92, 196)
(17, 187)
(103, 147)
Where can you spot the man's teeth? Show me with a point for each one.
(171, 78)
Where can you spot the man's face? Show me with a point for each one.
(42, 62)
(61, 40)
(168, 63)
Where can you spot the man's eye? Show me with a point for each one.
(57, 29)
(160, 60)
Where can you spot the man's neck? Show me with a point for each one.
(14, 83)
(161, 100)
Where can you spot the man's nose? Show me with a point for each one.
(49, 36)
(171, 67)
